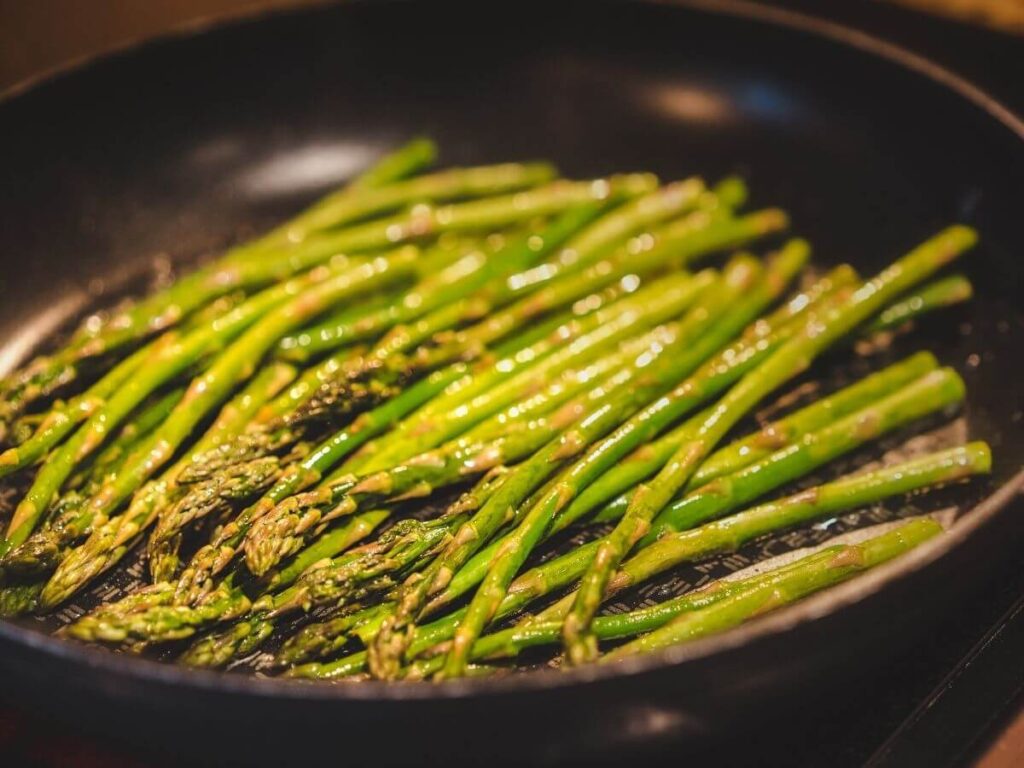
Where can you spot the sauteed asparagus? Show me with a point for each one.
(388, 437)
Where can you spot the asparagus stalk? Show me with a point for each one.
(277, 534)
(521, 428)
(197, 497)
(795, 356)
(342, 212)
(247, 634)
(676, 244)
(205, 392)
(407, 160)
(63, 417)
(438, 421)
(143, 617)
(800, 303)
(937, 294)
(722, 536)
(238, 269)
(444, 468)
(215, 556)
(808, 575)
(454, 284)
(163, 362)
(814, 571)
(486, 213)
(934, 395)
(46, 549)
(39, 553)
(553, 285)
(108, 461)
(933, 391)
(725, 535)
(507, 359)
(195, 581)
(747, 451)
(362, 197)
(664, 621)
(650, 458)
(499, 277)
(697, 340)
(602, 456)
(267, 260)
(150, 615)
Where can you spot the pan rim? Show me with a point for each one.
(776, 623)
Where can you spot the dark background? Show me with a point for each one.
(956, 699)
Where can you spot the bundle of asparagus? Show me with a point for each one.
(537, 354)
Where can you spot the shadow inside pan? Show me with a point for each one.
(178, 148)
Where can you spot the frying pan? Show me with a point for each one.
(182, 145)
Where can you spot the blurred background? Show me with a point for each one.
(39, 35)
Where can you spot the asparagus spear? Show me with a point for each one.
(344, 211)
(933, 391)
(150, 615)
(108, 461)
(675, 244)
(268, 259)
(44, 550)
(214, 557)
(647, 459)
(507, 359)
(561, 287)
(245, 635)
(521, 428)
(145, 617)
(937, 294)
(150, 499)
(496, 275)
(459, 280)
(486, 213)
(188, 496)
(582, 251)
(373, 567)
(444, 468)
(160, 364)
(39, 553)
(722, 536)
(702, 335)
(816, 570)
(369, 319)
(410, 158)
(808, 575)
(929, 395)
(63, 417)
(792, 358)
(357, 200)
(439, 421)
(237, 268)
(276, 534)
(205, 392)
(856, 490)
(759, 340)
(598, 459)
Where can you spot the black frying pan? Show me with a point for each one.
(179, 146)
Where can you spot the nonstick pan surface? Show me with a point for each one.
(174, 149)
